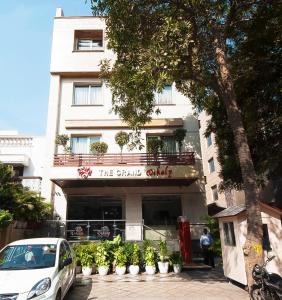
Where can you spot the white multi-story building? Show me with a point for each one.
(144, 193)
(26, 155)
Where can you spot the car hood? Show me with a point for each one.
(21, 281)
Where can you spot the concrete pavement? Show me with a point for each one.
(192, 285)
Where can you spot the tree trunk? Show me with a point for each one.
(252, 248)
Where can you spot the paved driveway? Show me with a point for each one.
(192, 285)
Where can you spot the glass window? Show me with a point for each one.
(214, 193)
(89, 44)
(169, 145)
(209, 140)
(63, 255)
(211, 165)
(165, 97)
(229, 235)
(89, 40)
(161, 210)
(88, 95)
(81, 144)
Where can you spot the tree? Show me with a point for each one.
(191, 43)
(179, 136)
(121, 138)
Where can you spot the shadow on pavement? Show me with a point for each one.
(82, 288)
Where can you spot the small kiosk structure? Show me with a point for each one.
(233, 230)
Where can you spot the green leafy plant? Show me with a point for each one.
(62, 140)
(154, 146)
(163, 251)
(102, 255)
(99, 148)
(87, 254)
(121, 138)
(175, 258)
(179, 136)
(6, 218)
(150, 256)
(120, 258)
(135, 256)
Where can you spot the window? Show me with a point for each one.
(229, 235)
(211, 165)
(214, 193)
(169, 145)
(165, 97)
(89, 40)
(209, 140)
(88, 95)
(81, 144)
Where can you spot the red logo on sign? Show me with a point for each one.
(84, 172)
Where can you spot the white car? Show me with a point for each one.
(41, 268)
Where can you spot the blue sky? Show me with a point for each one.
(26, 36)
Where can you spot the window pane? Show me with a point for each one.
(211, 165)
(168, 144)
(95, 95)
(165, 97)
(214, 193)
(81, 95)
(79, 145)
(229, 234)
(209, 140)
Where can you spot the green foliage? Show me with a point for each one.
(154, 146)
(6, 218)
(212, 224)
(22, 203)
(150, 256)
(85, 254)
(179, 135)
(133, 253)
(120, 258)
(122, 138)
(163, 251)
(102, 254)
(62, 140)
(99, 148)
(175, 258)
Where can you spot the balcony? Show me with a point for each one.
(127, 159)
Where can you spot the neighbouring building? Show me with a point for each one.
(26, 155)
(136, 193)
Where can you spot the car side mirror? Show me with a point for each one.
(67, 261)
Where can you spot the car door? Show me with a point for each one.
(63, 271)
(69, 268)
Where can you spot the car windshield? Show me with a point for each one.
(22, 257)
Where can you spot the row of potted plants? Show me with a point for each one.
(119, 257)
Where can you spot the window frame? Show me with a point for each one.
(89, 85)
(209, 140)
(214, 188)
(88, 141)
(157, 97)
(160, 136)
(229, 234)
(91, 36)
(211, 170)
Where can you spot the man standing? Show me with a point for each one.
(206, 242)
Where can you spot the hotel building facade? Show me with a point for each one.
(135, 193)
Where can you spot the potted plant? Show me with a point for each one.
(62, 140)
(150, 260)
(99, 149)
(87, 258)
(176, 261)
(77, 253)
(179, 136)
(120, 260)
(102, 259)
(134, 259)
(163, 255)
(121, 138)
(154, 146)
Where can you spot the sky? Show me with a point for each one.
(26, 36)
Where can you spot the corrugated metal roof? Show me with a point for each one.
(231, 211)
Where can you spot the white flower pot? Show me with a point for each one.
(177, 268)
(163, 267)
(103, 270)
(120, 270)
(150, 270)
(86, 271)
(133, 270)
